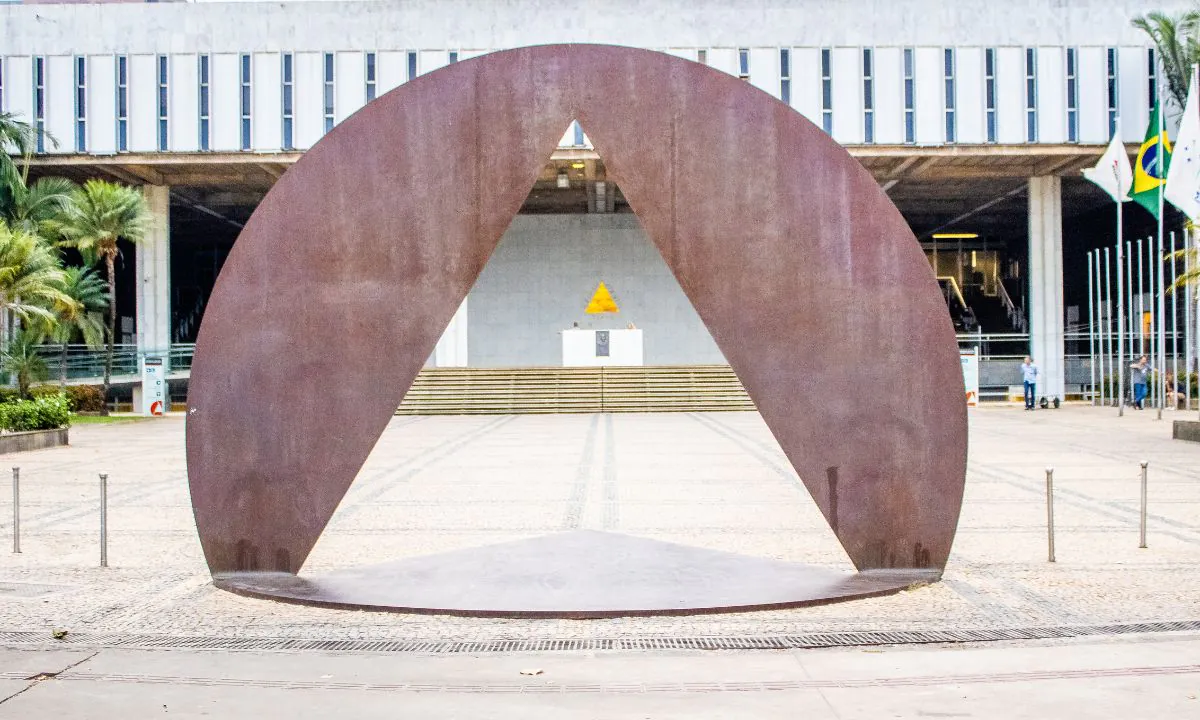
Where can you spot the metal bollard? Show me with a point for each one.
(1050, 511)
(16, 509)
(103, 519)
(1142, 536)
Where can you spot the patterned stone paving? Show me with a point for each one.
(712, 480)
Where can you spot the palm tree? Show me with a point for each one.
(1178, 47)
(16, 138)
(30, 276)
(103, 213)
(36, 208)
(22, 361)
(83, 317)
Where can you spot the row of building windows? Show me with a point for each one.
(370, 74)
(949, 93)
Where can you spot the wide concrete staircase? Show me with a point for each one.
(501, 391)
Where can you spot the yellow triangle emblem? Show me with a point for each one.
(602, 302)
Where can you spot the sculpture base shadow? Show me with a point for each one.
(578, 574)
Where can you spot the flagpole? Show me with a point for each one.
(1141, 303)
(1104, 302)
(1187, 320)
(1126, 360)
(1170, 391)
(1091, 327)
(1162, 300)
(1120, 319)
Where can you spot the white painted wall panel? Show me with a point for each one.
(102, 103)
(60, 102)
(847, 96)
(1133, 72)
(468, 54)
(184, 108)
(350, 88)
(18, 86)
(310, 118)
(266, 101)
(430, 60)
(391, 70)
(931, 123)
(1093, 97)
(806, 83)
(970, 98)
(143, 104)
(1052, 95)
(889, 96)
(685, 53)
(724, 59)
(1010, 95)
(224, 94)
(764, 70)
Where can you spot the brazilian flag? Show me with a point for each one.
(1150, 170)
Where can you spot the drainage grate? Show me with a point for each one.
(733, 642)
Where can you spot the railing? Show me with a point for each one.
(86, 363)
(1016, 318)
(1000, 357)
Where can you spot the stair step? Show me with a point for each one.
(493, 391)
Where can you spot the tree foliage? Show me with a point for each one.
(1175, 38)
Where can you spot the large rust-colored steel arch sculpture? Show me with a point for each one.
(806, 275)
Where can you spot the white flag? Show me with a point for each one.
(1113, 173)
(1183, 179)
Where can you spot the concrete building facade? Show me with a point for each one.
(973, 115)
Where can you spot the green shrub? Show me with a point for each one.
(43, 413)
(44, 391)
(85, 398)
(9, 394)
(80, 398)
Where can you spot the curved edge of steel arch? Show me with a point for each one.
(806, 275)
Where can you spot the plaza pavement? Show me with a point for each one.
(711, 480)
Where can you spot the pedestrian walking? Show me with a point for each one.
(1029, 373)
(1137, 377)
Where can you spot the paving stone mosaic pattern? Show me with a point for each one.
(711, 480)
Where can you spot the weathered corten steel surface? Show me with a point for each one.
(806, 275)
(578, 574)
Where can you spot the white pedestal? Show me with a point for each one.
(586, 348)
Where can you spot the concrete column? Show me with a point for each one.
(154, 277)
(451, 350)
(1045, 284)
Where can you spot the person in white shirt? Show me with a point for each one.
(1029, 373)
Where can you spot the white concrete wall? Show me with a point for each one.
(350, 86)
(309, 100)
(143, 103)
(1052, 95)
(483, 24)
(266, 115)
(930, 109)
(889, 96)
(60, 102)
(225, 89)
(806, 83)
(543, 274)
(971, 99)
(153, 264)
(102, 104)
(847, 95)
(184, 107)
(18, 85)
(1093, 95)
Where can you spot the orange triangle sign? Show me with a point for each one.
(602, 302)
